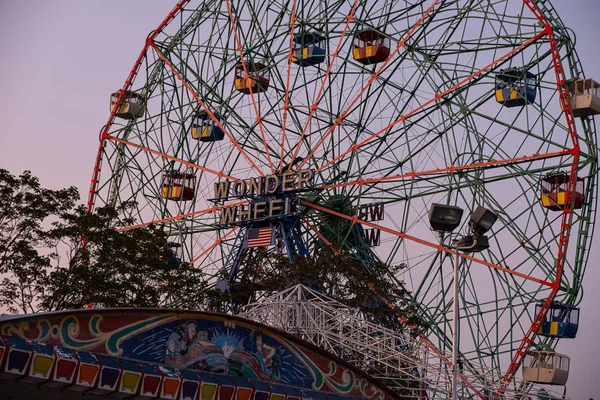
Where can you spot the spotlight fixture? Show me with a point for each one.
(443, 217)
(481, 220)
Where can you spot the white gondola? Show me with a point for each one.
(131, 107)
(585, 97)
(546, 367)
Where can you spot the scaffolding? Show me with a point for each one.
(408, 364)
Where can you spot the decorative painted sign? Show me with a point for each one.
(209, 343)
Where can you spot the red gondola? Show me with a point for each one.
(371, 47)
(554, 192)
(256, 81)
(178, 186)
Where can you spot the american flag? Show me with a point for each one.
(260, 237)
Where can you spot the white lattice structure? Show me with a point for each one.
(411, 366)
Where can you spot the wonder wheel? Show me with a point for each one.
(294, 125)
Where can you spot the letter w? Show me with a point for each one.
(376, 212)
(222, 190)
(228, 214)
(373, 237)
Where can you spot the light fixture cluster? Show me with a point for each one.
(446, 218)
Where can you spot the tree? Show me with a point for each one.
(338, 274)
(118, 268)
(25, 210)
(54, 255)
(333, 272)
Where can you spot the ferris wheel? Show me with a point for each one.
(299, 124)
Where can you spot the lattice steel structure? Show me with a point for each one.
(389, 104)
(408, 364)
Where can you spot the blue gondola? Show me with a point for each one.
(515, 87)
(561, 321)
(205, 128)
(308, 49)
(176, 249)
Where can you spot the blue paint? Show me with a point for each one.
(210, 346)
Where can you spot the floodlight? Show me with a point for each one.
(472, 244)
(481, 220)
(443, 217)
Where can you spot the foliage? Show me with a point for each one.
(25, 208)
(46, 266)
(340, 230)
(112, 268)
(335, 273)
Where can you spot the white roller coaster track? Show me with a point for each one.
(409, 365)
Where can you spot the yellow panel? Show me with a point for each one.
(369, 51)
(514, 94)
(42, 365)
(205, 131)
(239, 83)
(546, 202)
(560, 200)
(208, 391)
(554, 328)
(539, 332)
(194, 132)
(356, 53)
(130, 381)
(305, 52)
(499, 96)
(174, 192)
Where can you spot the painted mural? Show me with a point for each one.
(218, 347)
(211, 343)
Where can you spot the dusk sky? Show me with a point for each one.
(63, 58)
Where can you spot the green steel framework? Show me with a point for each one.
(421, 127)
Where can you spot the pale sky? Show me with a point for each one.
(63, 58)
